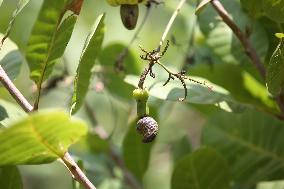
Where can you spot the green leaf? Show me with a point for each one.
(271, 185)
(202, 169)
(89, 54)
(241, 85)
(201, 5)
(40, 138)
(97, 144)
(181, 148)
(136, 154)
(10, 178)
(1, 1)
(275, 70)
(48, 39)
(21, 4)
(10, 58)
(252, 143)
(11, 63)
(10, 113)
(114, 80)
(274, 9)
(174, 90)
(253, 7)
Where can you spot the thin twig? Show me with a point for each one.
(250, 51)
(17, 95)
(22, 101)
(77, 172)
(170, 23)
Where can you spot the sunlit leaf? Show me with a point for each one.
(271, 185)
(10, 178)
(202, 169)
(252, 143)
(40, 138)
(88, 58)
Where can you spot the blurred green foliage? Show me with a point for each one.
(238, 119)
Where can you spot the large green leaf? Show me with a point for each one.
(21, 4)
(114, 79)
(10, 178)
(48, 39)
(275, 70)
(202, 169)
(274, 9)
(136, 154)
(252, 142)
(9, 113)
(40, 138)
(10, 58)
(174, 90)
(89, 54)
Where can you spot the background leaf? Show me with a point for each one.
(255, 137)
(113, 79)
(9, 113)
(48, 39)
(21, 4)
(10, 58)
(275, 70)
(174, 90)
(202, 169)
(40, 138)
(88, 58)
(10, 178)
(274, 10)
(136, 154)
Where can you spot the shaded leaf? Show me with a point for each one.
(10, 58)
(275, 70)
(113, 79)
(136, 154)
(9, 113)
(253, 7)
(252, 143)
(11, 63)
(10, 178)
(48, 39)
(202, 169)
(89, 54)
(181, 148)
(97, 144)
(274, 9)
(40, 138)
